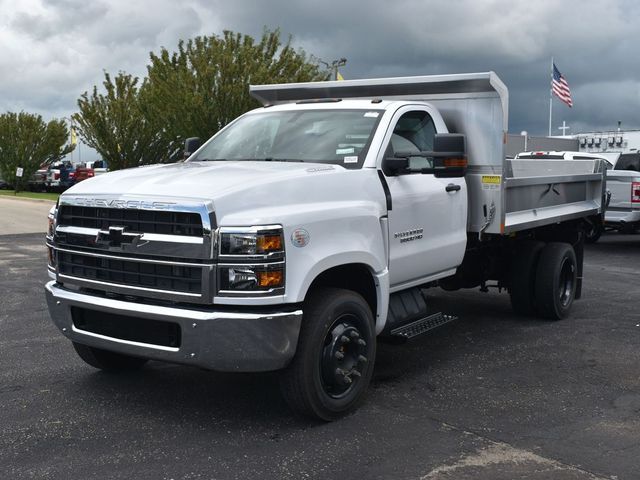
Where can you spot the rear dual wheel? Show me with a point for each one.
(543, 279)
(556, 280)
(333, 365)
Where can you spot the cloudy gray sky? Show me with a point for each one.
(52, 51)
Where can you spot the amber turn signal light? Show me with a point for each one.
(455, 162)
(270, 279)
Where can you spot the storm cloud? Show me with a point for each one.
(52, 51)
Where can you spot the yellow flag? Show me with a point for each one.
(339, 76)
(74, 138)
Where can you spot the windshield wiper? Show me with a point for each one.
(266, 159)
(271, 159)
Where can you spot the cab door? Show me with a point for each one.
(428, 215)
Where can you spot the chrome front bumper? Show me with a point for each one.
(216, 340)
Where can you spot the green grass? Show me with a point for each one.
(38, 195)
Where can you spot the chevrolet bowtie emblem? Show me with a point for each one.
(116, 237)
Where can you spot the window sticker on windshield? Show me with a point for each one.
(351, 159)
(372, 114)
(345, 151)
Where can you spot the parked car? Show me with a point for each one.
(623, 212)
(83, 173)
(60, 176)
(4, 185)
(38, 181)
(99, 167)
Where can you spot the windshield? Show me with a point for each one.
(339, 137)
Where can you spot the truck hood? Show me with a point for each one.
(244, 193)
(196, 180)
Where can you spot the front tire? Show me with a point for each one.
(556, 281)
(106, 360)
(333, 365)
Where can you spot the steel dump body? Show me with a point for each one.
(505, 196)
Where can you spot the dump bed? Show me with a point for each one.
(504, 196)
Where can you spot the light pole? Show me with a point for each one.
(333, 66)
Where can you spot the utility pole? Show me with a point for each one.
(333, 66)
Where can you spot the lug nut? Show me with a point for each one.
(354, 334)
(344, 339)
(356, 373)
(362, 359)
(362, 343)
(339, 355)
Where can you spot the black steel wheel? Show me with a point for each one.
(593, 233)
(106, 360)
(332, 368)
(556, 281)
(522, 277)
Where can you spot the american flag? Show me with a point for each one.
(560, 87)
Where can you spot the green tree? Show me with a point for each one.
(27, 141)
(113, 123)
(205, 84)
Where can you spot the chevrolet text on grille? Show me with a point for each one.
(114, 203)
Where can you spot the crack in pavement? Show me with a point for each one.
(502, 454)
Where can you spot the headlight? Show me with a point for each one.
(252, 261)
(252, 241)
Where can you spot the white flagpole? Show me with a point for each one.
(550, 97)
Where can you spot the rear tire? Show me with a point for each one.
(333, 365)
(106, 360)
(593, 234)
(522, 277)
(556, 281)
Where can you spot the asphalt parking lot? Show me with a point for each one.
(492, 396)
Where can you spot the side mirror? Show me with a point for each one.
(450, 155)
(191, 145)
(393, 166)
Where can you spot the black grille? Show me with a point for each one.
(133, 329)
(130, 273)
(142, 221)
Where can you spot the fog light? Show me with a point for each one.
(252, 278)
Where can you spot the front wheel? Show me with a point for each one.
(333, 365)
(106, 360)
(556, 280)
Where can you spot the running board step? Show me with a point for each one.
(422, 325)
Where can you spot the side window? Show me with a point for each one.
(413, 133)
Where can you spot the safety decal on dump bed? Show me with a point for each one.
(491, 182)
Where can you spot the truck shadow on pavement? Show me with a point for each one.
(200, 397)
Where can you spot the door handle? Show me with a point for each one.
(452, 188)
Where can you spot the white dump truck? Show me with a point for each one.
(308, 228)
